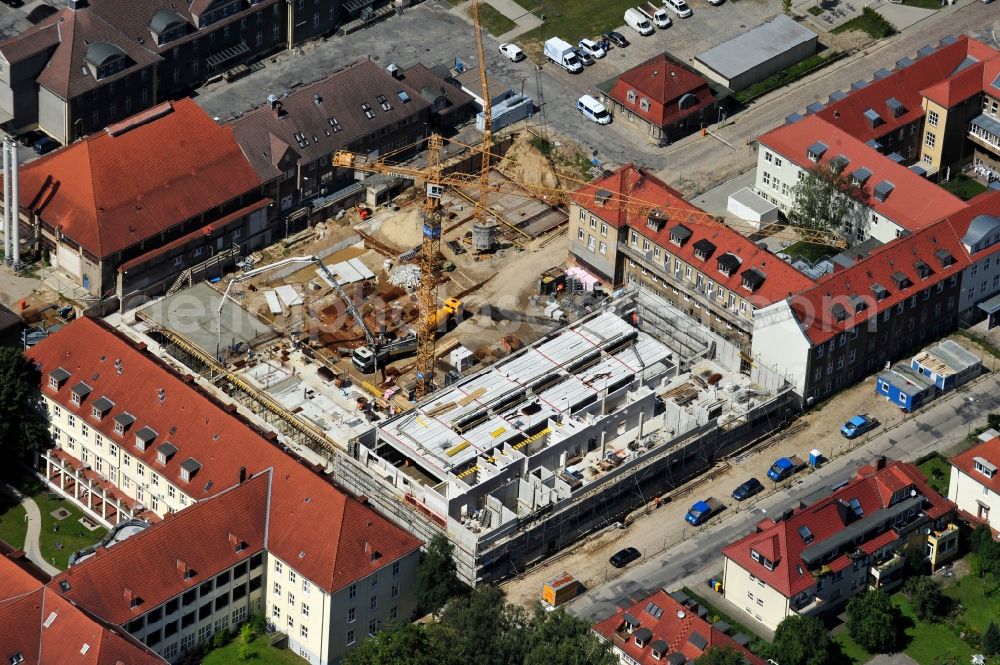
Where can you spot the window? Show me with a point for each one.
(604, 229)
(777, 161)
(71, 419)
(291, 576)
(372, 627)
(603, 248)
(631, 96)
(277, 589)
(303, 632)
(350, 633)
(768, 157)
(305, 610)
(593, 222)
(374, 602)
(932, 118)
(930, 139)
(394, 612)
(395, 591)
(766, 178)
(305, 586)
(580, 234)
(276, 612)
(291, 621)
(352, 591)
(352, 615)
(277, 567)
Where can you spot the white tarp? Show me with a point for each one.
(289, 295)
(347, 272)
(272, 302)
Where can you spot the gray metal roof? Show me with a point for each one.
(125, 419)
(873, 144)
(837, 95)
(895, 106)
(857, 85)
(919, 170)
(59, 374)
(697, 640)
(904, 376)
(146, 434)
(981, 227)
(659, 646)
(643, 635)
(965, 64)
(81, 390)
(752, 200)
(815, 107)
(190, 465)
(818, 148)
(755, 46)
(103, 404)
(883, 189)
(680, 232)
(872, 115)
(955, 356)
(924, 51)
(882, 73)
(861, 174)
(165, 19)
(904, 62)
(990, 305)
(166, 449)
(100, 52)
(987, 123)
(795, 117)
(947, 39)
(896, 157)
(814, 553)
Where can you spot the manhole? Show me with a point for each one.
(60, 513)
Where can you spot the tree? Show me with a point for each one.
(483, 628)
(991, 640)
(925, 596)
(24, 428)
(988, 556)
(826, 199)
(720, 656)
(801, 640)
(558, 638)
(872, 621)
(402, 644)
(436, 581)
(245, 651)
(980, 538)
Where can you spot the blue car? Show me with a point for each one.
(857, 426)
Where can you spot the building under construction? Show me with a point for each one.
(566, 436)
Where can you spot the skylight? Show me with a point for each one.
(367, 108)
(807, 535)
(654, 610)
(856, 507)
(403, 97)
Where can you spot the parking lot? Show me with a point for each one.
(433, 33)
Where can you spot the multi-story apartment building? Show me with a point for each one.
(974, 485)
(660, 241)
(362, 108)
(854, 320)
(99, 61)
(133, 438)
(812, 559)
(40, 626)
(111, 235)
(978, 225)
(894, 200)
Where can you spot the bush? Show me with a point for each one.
(543, 145)
(991, 640)
(257, 624)
(220, 639)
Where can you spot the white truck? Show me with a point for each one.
(638, 21)
(658, 15)
(562, 54)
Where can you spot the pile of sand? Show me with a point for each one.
(402, 229)
(524, 163)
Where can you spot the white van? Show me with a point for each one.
(593, 109)
(678, 7)
(638, 22)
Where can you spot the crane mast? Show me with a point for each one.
(480, 212)
(429, 249)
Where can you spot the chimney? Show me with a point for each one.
(77, 4)
(182, 568)
(317, 100)
(880, 462)
(129, 596)
(243, 474)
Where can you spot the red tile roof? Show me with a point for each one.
(199, 536)
(663, 83)
(192, 165)
(964, 84)
(674, 626)
(314, 526)
(989, 451)
(642, 188)
(914, 202)
(903, 84)
(824, 519)
(878, 542)
(814, 307)
(44, 628)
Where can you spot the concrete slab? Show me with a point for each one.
(715, 200)
(901, 16)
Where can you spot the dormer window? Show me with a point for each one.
(57, 377)
(658, 649)
(838, 164)
(101, 407)
(728, 264)
(144, 437)
(873, 118)
(703, 249)
(105, 59)
(839, 312)
(655, 223)
(882, 190)
(367, 108)
(165, 451)
(944, 257)
(896, 107)
(602, 196)
(189, 468)
(901, 280)
(858, 303)
(860, 176)
(79, 393)
(761, 559)
(680, 234)
(123, 421)
(631, 96)
(753, 279)
(644, 104)
(816, 151)
(643, 636)
(923, 270)
(880, 292)
(984, 467)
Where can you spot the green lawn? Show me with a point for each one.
(810, 251)
(964, 187)
(493, 21)
(265, 655)
(930, 643)
(12, 524)
(937, 471)
(851, 651)
(972, 593)
(787, 76)
(870, 22)
(68, 533)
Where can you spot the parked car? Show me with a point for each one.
(785, 467)
(678, 7)
(748, 489)
(616, 38)
(624, 557)
(512, 52)
(592, 48)
(593, 109)
(857, 426)
(584, 57)
(45, 145)
(701, 511)
(13, 4)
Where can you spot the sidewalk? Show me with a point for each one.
(31, 550)
(525, 20)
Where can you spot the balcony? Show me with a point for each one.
(887, 573)
(985, 131)
(883, 568)
(808, 605)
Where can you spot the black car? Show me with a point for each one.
(13, 4)
(624, 557)
(616, 38)
(748, 489)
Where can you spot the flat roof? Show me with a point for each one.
(512, 400)
(755, 46)
(752, 200)
(903, 373)
(948, 357)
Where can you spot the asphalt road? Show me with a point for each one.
(943, 425)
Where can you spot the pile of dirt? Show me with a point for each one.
(401, 229)
(527, 164)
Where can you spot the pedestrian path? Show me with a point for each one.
(31, 549)
(525, 20)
